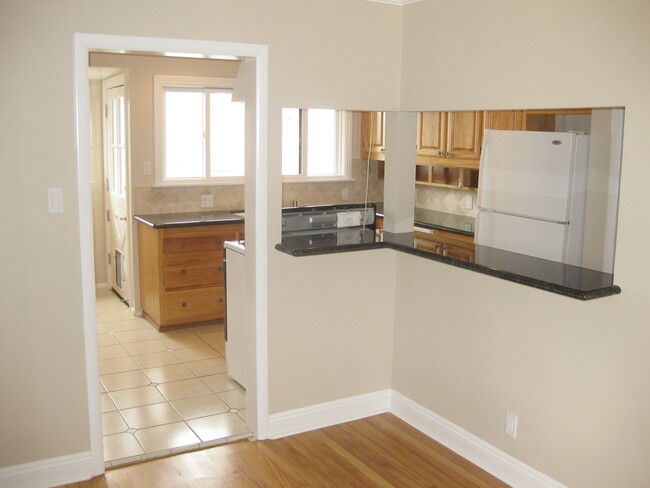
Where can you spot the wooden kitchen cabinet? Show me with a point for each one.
(502, 119)
(182, 272)
(449, 138)
(448, 148)
(457, 246)
(373, 135)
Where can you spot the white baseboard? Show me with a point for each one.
(330, 413)
(484, 455)
(49, 472)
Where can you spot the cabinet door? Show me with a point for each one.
(373, 133)
(503, 119)
(464, 135)
(431, 129)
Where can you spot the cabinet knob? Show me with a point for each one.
(448, 154)
(220, 300)
(382, 149)
(220, 269)
(182, 245)
(183, 272)
(439, 153)
(219, 242)
(184, 304)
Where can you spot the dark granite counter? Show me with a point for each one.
(563, 279)
(432, 219)
(188, 219)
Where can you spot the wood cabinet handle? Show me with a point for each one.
(219, 242)
(182, 245)
(184, 304)
(220, 269)
(183, 272)
(220, 300)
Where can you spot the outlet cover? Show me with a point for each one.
(207, 201)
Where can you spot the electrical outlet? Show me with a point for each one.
(146, 167)
(345, 194)
(207, 201)
(469, 202)
(511, 425)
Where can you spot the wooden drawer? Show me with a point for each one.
(194, 305)
(196, 243)
(190, 276)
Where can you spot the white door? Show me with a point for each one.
(115, 163)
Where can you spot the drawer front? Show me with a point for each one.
(192, 276)
(194, 305)
(196, 244)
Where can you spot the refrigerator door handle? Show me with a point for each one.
(512, 214)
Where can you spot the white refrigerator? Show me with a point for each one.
(532, 193)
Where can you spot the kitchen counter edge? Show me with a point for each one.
(404, 242)
(190, 219)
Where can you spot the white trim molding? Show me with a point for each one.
(41, 474)
(330, 413)
(484, 455)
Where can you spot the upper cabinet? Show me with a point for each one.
(502, 119)
(373, 133)
(450, 139)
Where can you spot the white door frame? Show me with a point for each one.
(256, 215)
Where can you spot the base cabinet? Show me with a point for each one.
(457, 246)
(182, 272)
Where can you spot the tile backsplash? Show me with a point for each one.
(156, 200)
(447, 200)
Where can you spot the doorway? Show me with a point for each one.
(256, 203)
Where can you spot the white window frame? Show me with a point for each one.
(343, 152)
(166, 81)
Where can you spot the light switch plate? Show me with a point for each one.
(55, 200)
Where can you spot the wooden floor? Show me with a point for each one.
(380, 451)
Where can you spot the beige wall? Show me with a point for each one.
(44, 404)
(575, 373)
(465, 345)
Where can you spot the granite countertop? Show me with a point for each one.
(563, 279)
(432, 219)
(188, 219)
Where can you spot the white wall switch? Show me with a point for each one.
(345, 194)
(207, 201)
(146, 167)
(511, 425)
(55, 200)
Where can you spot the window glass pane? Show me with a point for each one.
(290, 141)
(226, 135)
(184, 147)
(321, 142)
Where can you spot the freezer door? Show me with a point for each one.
(527, 173)
(525, 236)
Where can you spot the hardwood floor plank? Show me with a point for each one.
(380, 451)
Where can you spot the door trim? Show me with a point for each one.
(256, 226)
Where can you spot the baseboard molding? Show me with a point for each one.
(329, 413)
(494, 461)
(49, 472)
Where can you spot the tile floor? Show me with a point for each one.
(163, 392)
